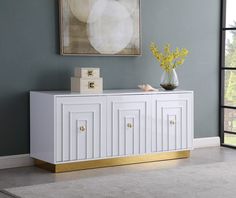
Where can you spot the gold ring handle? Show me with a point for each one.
(82, 128)
(129, 125)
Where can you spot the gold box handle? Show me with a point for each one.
(91, 85)
(90, 72)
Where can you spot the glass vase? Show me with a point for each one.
(169, 80)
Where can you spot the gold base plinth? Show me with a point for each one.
(73, 166)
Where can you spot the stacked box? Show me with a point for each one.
(87, 80)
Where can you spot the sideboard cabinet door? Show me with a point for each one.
(172, 125)
(80, 128)
(129, 125)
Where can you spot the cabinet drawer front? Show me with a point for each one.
(172, 127)
(81, 130)
(129, 125)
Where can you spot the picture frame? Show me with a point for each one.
(100, 27)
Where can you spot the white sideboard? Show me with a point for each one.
(73, 131)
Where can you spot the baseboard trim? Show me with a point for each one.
(14, 161)
(206, 142)
(73, 166)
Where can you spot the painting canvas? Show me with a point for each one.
(100, 27)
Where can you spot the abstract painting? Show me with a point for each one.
(100, 27)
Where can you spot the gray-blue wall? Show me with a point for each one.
(29, 60)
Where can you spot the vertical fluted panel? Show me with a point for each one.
(129, 127)
(82, 131)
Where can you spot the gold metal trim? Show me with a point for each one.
(73, 166)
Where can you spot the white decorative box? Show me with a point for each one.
(87, 72)
(86, 85)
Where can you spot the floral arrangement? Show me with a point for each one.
(169, 60)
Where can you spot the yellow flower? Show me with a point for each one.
(169, 60)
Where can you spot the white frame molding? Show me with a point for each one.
(206, 142)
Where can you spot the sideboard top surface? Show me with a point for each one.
(114, 92)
